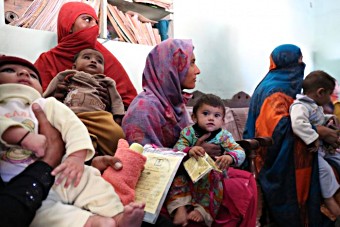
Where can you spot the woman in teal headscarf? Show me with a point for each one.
(288, 175)
(285, 75)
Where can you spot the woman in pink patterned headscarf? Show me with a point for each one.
(157, 115)
(335, 97)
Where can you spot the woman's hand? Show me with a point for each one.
(35, 143)
(61, 91)
(55, 145)
(102, 162)
(328, 135)
(313, 147)
(212, 149)
(104, 96)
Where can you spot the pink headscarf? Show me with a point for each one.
(158, 114)
(336, 93)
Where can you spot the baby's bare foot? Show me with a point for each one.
(180, 217)
(132, 215)
(100, 221)
(195, 216)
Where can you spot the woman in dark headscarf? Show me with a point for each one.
(288, 175)
(285, 75)
(72, 39)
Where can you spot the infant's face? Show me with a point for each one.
(323, 98)
(209, 118)
(19, 74)
(90, 61)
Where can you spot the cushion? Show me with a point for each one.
(240, 116)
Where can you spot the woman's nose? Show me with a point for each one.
(198, 71)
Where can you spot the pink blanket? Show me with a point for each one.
(125, 180)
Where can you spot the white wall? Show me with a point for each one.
(327, 37)
(25, 43)
(132, 58)
(234, 38)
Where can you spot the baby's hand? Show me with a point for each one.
(71, 168)
(224, 161)
(36, 143)
(196, 151)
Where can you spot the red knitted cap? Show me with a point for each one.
(18, 61)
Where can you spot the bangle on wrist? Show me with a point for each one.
(22, 139)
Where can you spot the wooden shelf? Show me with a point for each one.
(149, 11)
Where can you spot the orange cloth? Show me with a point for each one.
(104, 131)
(276, 107)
